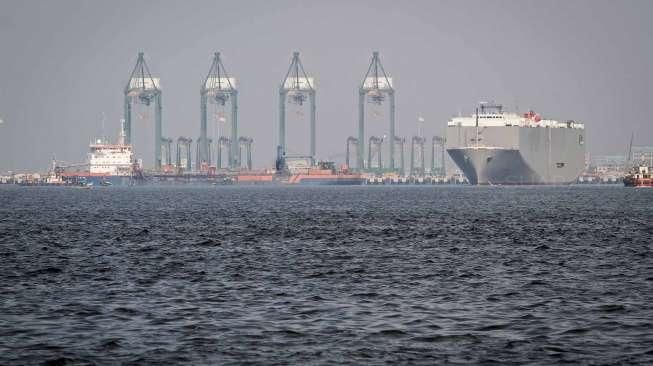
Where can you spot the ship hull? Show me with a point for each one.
(327, 179)
(638, 182)
(512, 155)
(98, 180)
(495, 166)
(332, 181)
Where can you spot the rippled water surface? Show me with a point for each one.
(332, 275)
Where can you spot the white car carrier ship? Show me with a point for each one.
(494, 147)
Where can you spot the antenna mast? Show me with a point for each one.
(629, 157)
(476, 139)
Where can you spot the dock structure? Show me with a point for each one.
(219, 150)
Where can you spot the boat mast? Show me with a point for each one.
(476, 140)
(629, 157)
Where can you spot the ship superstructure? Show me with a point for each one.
(110, 159)
(108, 164)
(495, 147)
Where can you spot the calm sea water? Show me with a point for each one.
(331, 275)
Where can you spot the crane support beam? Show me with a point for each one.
(224, 143)
(392, 130)
(375, 148)
(282, 123)
(166, 154)
(438, 160)
(361, 131)
(184, 148)
(351, 140)
(401, 142)
(234, 160)
(204, 151)
(158, 132)
(417, 156)
(246, 143)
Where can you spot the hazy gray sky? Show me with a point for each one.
(63, 63)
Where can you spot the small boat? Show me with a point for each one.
(641, 176)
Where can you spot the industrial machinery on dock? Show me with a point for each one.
(219, 155)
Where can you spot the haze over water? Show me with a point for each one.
(327, 275)
(67, 62)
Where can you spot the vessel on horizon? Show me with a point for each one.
(640, 176)
(108, 164)
(326, 174)
(492, 147)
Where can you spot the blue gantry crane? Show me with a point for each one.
(220, 90)
(144, 89)
(295, 88)
(375, 87)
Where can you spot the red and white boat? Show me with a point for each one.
(641, 176)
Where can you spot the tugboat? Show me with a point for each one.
(640, 176)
